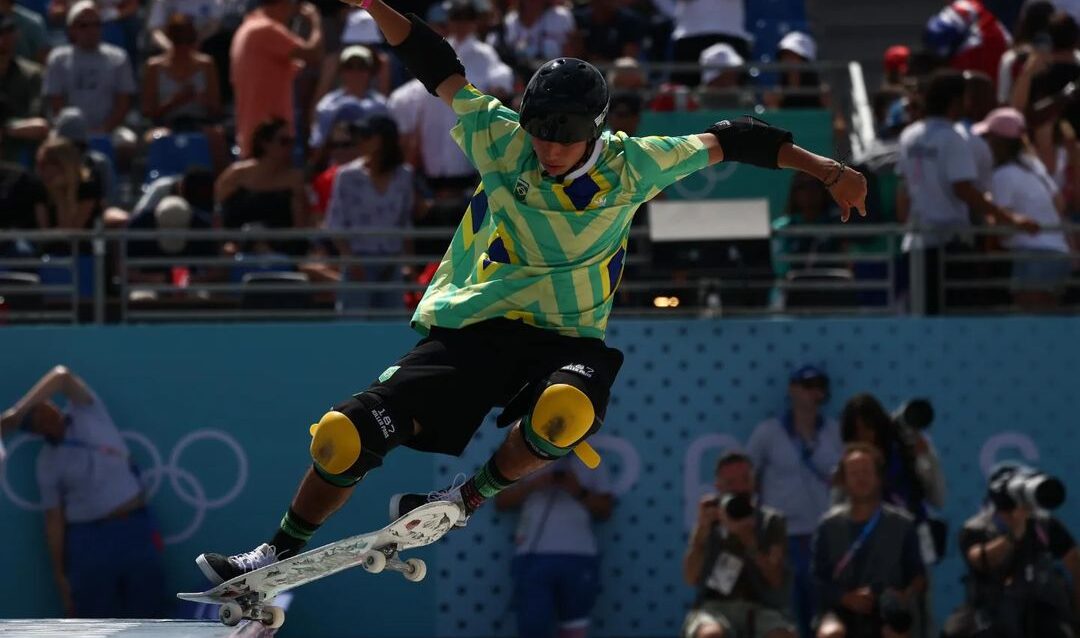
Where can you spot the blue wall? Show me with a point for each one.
(1003, 388)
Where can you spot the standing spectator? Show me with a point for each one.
(798, 89)
(736, 560)
(979, 100)
(376, 191)
(205, 16)
(606, 30)
(180, 87)
(355, 100)
(265, 190)
(968, 36)
(938, 190)
(104, 545)
(722, 78)
(795, 455)
(866, 557)
(71, 125)
(809, 204)
(20, 88)
(1031, 36)
(1022, 184)
(265, 57)
(912, 479)
(33, 41)
(480, 59)
(556, 568)
(536, 30)
(700, 24)
(89, 74)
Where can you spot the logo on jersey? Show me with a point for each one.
(521, 189)
(389, 372)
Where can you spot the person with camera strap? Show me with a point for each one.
(1015, 550)
(737, 560)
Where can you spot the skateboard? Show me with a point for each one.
(249, 596)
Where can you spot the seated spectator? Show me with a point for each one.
(263, 58)
(809, 204)
(171, 212)
(736, 560)
(1031, 36)
(798, 89)
(205, 16)
(120, 24)
(266, 189)
(180, 87)
(33, 41)
(74, 197)
(345, 145)
(22, 203)
(700, 24)
(866, 558)
(70, 124)
(897, 64)
(626, 74)
(360, 28)
(20, 90)
(624, 112)
(354, 101)
(89, 74)
(536, 31)
(1021, 183)
(376, 191)
(606, 30)
(968, 36)
(722, 79)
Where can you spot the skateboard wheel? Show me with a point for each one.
(230, 614)
(374, 562)
(417, 571)
(275, 618)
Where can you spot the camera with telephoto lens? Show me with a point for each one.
(1020, 485)
(737, 506)
(915, 415)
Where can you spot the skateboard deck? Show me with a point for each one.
(249, 595)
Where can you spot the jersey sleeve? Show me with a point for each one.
(654, 163)
(487, 131)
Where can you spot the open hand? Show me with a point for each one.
(850, 192)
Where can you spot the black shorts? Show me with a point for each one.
(452, 378)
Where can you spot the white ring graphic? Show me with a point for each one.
(187, 487)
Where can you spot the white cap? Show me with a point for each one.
(799, 43)
(716, 58)
(78, 8)
(173, 212)
(360, 28)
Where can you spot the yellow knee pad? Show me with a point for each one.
(560, 419)
(335, 442)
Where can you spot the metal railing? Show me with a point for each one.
(109, 276)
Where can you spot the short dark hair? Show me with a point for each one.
(264, 134)
(732, 458)
(1034, 18)
(1064, 32)
(946, 87)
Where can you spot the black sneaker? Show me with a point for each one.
(220, 568)
(402, 504)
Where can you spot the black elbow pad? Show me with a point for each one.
(750, 141)
(428, 55)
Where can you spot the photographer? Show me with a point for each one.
(912, 478)
(736, 560)
(866, 557)
(1012, 548)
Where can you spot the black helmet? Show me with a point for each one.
(566, 101)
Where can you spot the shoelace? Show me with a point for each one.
(444, 495)
(254, 559)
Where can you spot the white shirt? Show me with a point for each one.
(1028, 190)
(981, 153)
(553, 521)
(419, 113)
(482, 65)
(89, 473)
(933, 157)
(702, 17)
(544, 39)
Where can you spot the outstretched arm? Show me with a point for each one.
(751, 141)
(58, 380)
(427, 55)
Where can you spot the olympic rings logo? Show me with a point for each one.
(153, 472)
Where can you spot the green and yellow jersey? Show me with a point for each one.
(531, 248)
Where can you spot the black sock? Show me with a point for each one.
(486, 483)
(292, 535)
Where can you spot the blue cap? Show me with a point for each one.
(808, 372)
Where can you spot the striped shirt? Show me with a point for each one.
(548, 253)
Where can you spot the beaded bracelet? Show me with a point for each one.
(836, 178)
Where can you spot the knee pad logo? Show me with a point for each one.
(389, 372)
(577, 368)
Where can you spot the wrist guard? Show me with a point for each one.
(427, 55)
(750, 141)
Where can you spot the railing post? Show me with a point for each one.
(917, 281)
(98, 243)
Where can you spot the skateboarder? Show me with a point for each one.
(516, 313)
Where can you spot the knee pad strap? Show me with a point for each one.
(560, 420)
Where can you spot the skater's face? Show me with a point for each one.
(557, 158)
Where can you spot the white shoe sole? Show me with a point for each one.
(207, 570)
(395, 507)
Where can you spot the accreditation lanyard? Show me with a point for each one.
(857, 545)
